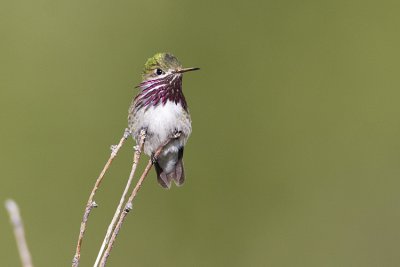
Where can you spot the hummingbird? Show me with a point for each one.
(160, 108)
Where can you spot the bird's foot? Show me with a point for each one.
(176, 134)
(143, 132)
(127, 133)
(153, 158)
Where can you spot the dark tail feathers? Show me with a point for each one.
(177, 174)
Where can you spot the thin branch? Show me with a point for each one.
(127, 208)
(18, 226)
(91, 203)
(129, 205)
(136, 158)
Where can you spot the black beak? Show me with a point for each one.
(186, 70)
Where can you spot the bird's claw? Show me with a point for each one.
(177, 134)
(127, 133)
(153, 159)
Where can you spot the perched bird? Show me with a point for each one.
(161, 109)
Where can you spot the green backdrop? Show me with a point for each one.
(294, 157)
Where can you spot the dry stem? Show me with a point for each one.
(19, 233)
(138, 150)
(128, 205)
(91, 204)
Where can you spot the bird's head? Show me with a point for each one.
(162, 65)
(162, 81)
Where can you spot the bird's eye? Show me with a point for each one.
(159, 71)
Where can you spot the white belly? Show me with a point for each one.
(161, 122)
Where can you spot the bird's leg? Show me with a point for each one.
(153, 158)
(127, 133)
(176, 134)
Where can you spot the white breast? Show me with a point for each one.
(161, 122)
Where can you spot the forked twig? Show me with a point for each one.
(91, 204)
(136, 158)
(128, 205)
(19, 233)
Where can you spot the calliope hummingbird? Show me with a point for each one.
(161, 109)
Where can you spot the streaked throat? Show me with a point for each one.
(158, 91)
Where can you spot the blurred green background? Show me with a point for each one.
(294, 157)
